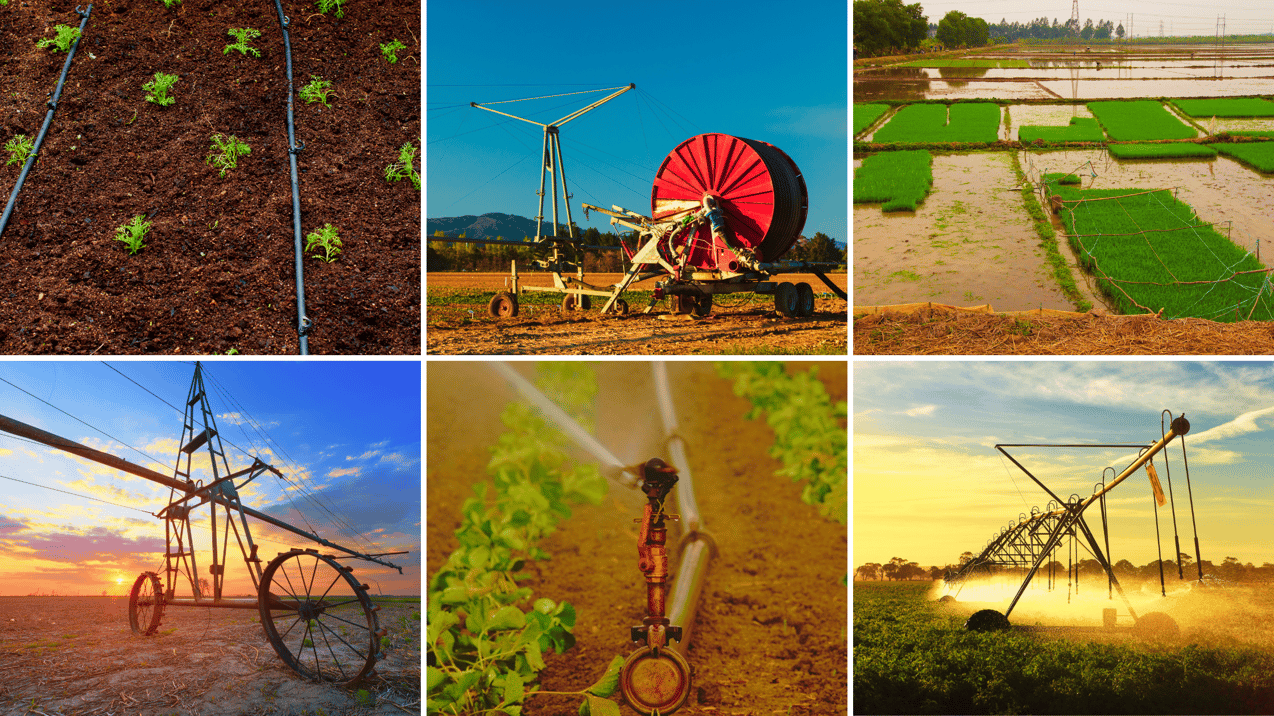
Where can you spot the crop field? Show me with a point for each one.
(912, 655)
(898, 180)
(1152, 253)
(1259, 155)
(1080, 129)
(866, 114)
(1139, 120)
(1020, 64)
(1226, 107)
(971, 122)
(1171, 150)
(204, 180)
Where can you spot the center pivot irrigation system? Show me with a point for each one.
(1025, 544)
(319, 619)
(723, 211)
(655, 678)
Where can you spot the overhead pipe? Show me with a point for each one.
(303, 323)
(48, 120)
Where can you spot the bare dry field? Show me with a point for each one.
(76, 656)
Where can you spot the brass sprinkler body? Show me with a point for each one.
(655, 679)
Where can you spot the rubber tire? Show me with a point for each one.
(785, 300)
(503, 305)
(946, 598)
(1156, 626)
(987, 620)
(804, 300)
(574, 301)
(702, 306)
(620, 307)
(681, 304)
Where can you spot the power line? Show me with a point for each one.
(76, 494)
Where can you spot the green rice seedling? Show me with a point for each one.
(1080, 129)
(1146, 248)
(326, 240)
(132, 234)
(243, 35)
(19, 148)
(390, 50)
(1010, 64)
(226, 152)
(965, 122)
(1130, 121)
(1173, 150)
(157, 89)
(317, 90)
(1229, 107)
(1266, 135)
(325, 5)
(866, 114)
(899, 180)
(66, 37)
(1256, 154)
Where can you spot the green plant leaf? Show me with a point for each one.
(507, 618)
(606, 685)
(597, 706)
(544, 605)
(513, 689)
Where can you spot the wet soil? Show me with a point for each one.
(217, 272)
(77, 656)
(459, 324)
(770, 632)
(969, 242)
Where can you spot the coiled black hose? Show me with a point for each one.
(302, 321)
(48, 119)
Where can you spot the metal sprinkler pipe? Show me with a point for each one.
(48, 119)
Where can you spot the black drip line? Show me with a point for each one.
(303, 323)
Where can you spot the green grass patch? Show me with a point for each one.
(1229, 107)
(865, 114)
(912, 655)
(1130, 121)
(1048, 237)
(1266, 135)
(968, 122)
(1007, 64)
(1080, 129)
(1146, 249)
(898, 180)
(1174, 150)
(1256, 154)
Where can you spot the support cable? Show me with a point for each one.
(1163, 589)
(1172, 502)
(1198, 558)
(303, 323)
(48, 119)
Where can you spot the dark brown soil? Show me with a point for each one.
(218, 270)
(769, 635)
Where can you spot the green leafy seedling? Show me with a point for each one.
(326, 240)
(243, 35)
(390, 50)
(132, 233)
(19, 148)
(317, 90)
(66, 36)
(325, 5)
(405, 167)
(169, 3)
(157, 89)
(226, 152)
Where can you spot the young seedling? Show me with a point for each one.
(390, 50)
(325, 239)
(405, 167)
(132, 234)
(325, 5)
(317, 90)
(66, 36)
(19, 148)
(169, 3)
(157, 89)
(226, 152)
(243, 35)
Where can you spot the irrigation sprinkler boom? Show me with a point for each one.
(339, 639)
(1032, 539)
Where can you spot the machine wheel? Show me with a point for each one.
(653, 683)
(503, 305)
(620, 307)
(145, 604)
(987, 620)
(681, 304)
(702, 306)
(785, 300)
(946, 598)
(804, 300)
(1156, 626)
(571, 301)
(319, 620)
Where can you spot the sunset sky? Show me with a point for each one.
(349, 431)
(928, 483)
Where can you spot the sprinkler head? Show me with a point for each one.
(658, 478)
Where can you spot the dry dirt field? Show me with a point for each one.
(457, 323)
(76, 656)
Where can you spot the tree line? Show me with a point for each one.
(1230, 569)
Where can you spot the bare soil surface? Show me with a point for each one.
(459, 324)
(78, 656)
(770, 632)
(217, 272)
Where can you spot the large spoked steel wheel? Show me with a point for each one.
(319, 620)
(145, 604)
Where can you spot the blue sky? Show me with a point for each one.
(350, 430)
(775, 73)
(928, 483)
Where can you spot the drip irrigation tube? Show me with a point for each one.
(48, 119)
(302, 321)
